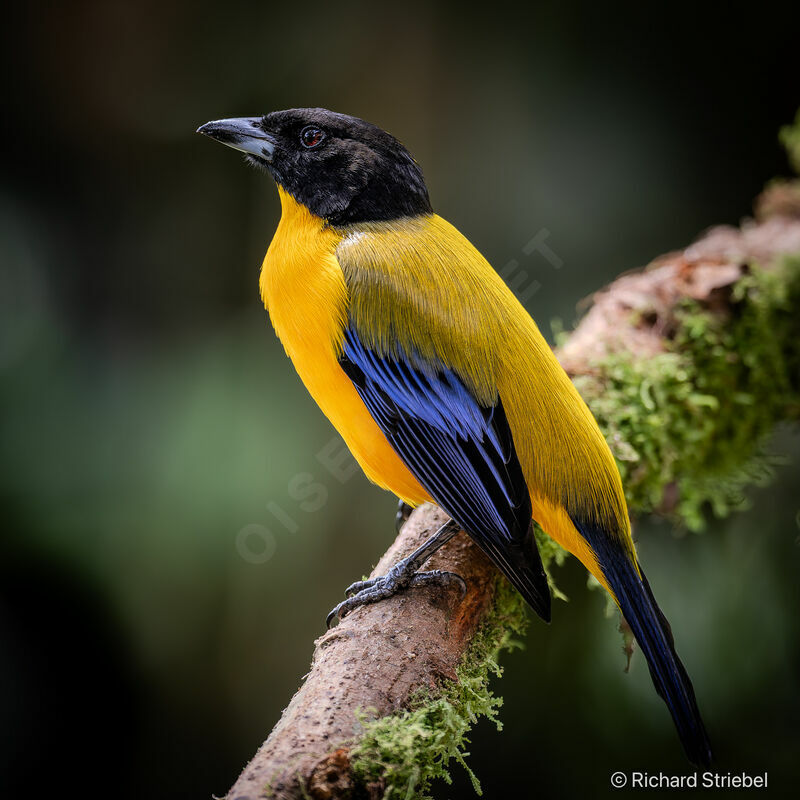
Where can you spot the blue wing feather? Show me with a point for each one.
(461, 452)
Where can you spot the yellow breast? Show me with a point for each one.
(303, 289)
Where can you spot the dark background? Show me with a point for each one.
(149, 637)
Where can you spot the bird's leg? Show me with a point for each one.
(403, 513)
(402, 575)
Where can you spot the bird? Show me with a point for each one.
(438, 379)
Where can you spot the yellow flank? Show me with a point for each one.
(419, 286)
(303, 289)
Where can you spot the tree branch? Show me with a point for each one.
(699, 352)
(373, 662)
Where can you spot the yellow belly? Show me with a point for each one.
(304, 291)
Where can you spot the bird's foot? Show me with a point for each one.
(402, 575)
(396, 580)
(403, 513)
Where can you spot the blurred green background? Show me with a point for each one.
(162, 577)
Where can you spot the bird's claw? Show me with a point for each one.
(358, 586)
(375, 589)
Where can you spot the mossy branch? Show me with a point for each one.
(688, 365)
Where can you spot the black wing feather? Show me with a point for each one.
(461, 452)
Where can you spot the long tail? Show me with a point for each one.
(654, 636)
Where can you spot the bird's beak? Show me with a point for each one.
(241, 133)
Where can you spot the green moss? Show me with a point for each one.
(406, 751)
(696, 418)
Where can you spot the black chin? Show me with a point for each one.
(257, 162)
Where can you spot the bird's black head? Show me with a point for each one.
(341, 168)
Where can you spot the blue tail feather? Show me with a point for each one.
(654, 636)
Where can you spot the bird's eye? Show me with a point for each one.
(311, 136)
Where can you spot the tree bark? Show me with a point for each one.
(374, 660)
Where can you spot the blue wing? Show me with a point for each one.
(461, 452)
